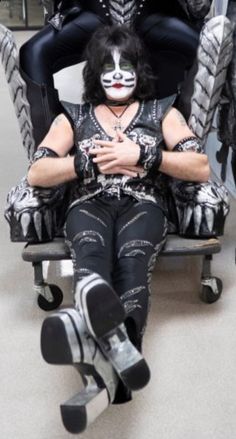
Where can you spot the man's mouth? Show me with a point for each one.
(117, 85)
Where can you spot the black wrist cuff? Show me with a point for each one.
(84, 167)
(149, 157)
(77, 166)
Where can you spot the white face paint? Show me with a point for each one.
(118, 78)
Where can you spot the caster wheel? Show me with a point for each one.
(55, 297)
(211, 289)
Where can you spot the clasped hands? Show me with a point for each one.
(118, 156)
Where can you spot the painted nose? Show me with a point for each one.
(117, 75)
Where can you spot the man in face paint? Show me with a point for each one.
(116, 198)
(118, 78)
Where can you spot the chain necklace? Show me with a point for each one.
(117, 124)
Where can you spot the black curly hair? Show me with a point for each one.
(99, 48)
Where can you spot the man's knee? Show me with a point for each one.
(170, 33)
(37, 52)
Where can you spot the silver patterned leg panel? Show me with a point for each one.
(214, 55)
(201, 208)
(227, 109)
(34, 214)
(17, 86)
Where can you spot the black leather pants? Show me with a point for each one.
(119, 239)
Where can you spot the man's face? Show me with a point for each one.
(118, 77)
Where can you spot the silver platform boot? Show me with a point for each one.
(104, 315)
(66, 340)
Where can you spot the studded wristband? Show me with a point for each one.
(42, 152)
(191, 143)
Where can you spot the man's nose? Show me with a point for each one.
(117, 75)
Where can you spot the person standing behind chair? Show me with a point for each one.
(170, 33)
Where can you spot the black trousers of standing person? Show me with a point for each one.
(171, 44)
(50, 50)
(119, 239)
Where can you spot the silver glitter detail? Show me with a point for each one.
(87, 239)
(135, 218)
(132, 292)
(89, 233)
(135, 253)
(131, 305)
(93, 216)
(134, 243)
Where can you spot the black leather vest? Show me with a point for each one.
(144, 8)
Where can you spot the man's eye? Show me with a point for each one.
(108, 67)
(126, 66)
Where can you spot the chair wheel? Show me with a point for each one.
(211, 289)
(55, 297)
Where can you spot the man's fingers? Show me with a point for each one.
(128, 173)
(100, 151)
(104, 143)
(109, 165)
(137, 169)
(104, 158)
(119, 170)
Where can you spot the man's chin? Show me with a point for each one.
(119, 97)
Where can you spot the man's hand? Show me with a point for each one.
(120, 153)
(130, 171)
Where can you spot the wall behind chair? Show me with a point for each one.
(69, 83)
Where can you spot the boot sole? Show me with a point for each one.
(102, 308)
(82, 409)
(60, 340)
